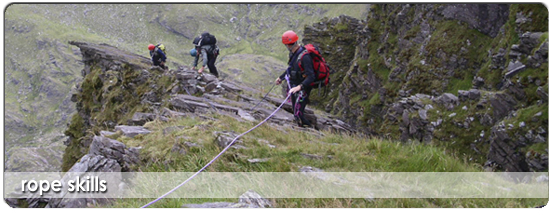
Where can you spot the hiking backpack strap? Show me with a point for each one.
(313, 55)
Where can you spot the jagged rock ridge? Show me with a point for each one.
(459, 74)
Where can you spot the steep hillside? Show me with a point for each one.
(416, 88)
(136, 118)
(472, 77)
(42, 69)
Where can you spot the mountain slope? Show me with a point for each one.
(42, 69)
(136, 118)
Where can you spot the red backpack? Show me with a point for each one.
(322, 70)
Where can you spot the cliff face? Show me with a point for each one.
(472, 77)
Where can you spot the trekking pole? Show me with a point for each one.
(263, 97)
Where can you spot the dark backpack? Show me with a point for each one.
(322, 69)
(208, 39)
(196, 41)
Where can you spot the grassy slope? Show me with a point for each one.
(349, 154)
(41, 68)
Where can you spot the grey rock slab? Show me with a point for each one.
(132, 131)
(253, 198)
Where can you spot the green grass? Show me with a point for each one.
(349, 153)
(352, 203)
(538, 12)
(43, 30)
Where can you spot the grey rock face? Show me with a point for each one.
(499, 60)
(230, 87)
(502, 104)
(250, 199)
(188, 103)
(254, 199)
(96, 163)
(472, 94)
(108, 148)
(486, 18)
(140, 119)
(528, 41)
(113, 149)
(208, 78)
(447, 100)
(88, 163)
(223, 139)
(536, 162)
(513, 69)
(539, 57)
(505, 152)
(132, 131)
(105, 155)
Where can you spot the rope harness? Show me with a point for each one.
(218, 155)
(297, 104)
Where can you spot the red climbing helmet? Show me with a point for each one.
(151, 47)
(289, 37)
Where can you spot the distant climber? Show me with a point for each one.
(158, 56)
(206, 47)
(300, 77)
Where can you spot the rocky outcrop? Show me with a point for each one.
(105, 155)
(502, 104)
(412, 111)
(120, 83)
(486, 18)
(250, 199)
(407, 57)
(448, 100)
(505, 152)
(131, 131)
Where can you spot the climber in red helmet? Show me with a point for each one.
(158, 57)
(299, 78)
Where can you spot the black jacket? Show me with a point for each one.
(297, 76)
(157, 55)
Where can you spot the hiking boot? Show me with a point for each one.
(308, 126)
(298, 121)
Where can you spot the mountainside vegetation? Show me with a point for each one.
(415, 88)
(454, 75)
(42, 69)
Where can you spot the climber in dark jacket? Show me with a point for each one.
(158, 57)
(300, 78)
(208, 53)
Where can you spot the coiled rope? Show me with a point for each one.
(218, 155)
